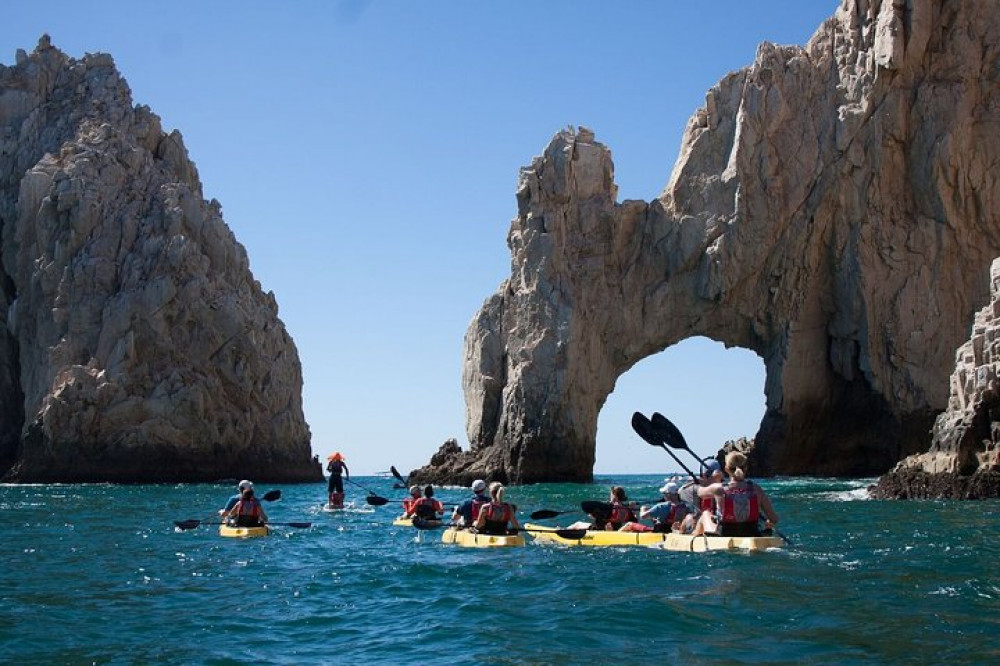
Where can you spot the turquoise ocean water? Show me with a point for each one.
(98, 574)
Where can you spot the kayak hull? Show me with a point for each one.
(242, 532)
(667, 541)
(423, 524)
(700, 544)
(596, 537)
(468, 539)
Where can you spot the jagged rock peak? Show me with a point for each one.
(135, 343)
(833, 209)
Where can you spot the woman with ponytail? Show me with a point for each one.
(738, 504)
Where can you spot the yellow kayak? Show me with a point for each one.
(404, 521)
(596, 537)
(242, 532)
(699, 544)
(476, 540)
(666, 541)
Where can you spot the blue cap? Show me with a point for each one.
(711, 467)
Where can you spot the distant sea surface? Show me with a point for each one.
(98, 574)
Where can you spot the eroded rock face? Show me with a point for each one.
(833, 209)
(136, 345)
(964, 458)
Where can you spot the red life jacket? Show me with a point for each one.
(707, 504)
(621, 514)
(426, 507)
(249, 508)
(477, 504)
(496, 512)
(740, 504)
(409, 503)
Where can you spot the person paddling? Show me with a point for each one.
(497, 516)
(411, 500)
(247, 512)
(620, 515)
(425, 508)
(466, 513)
(231, 502)
(738, 504)
(668, 514)
(335, 488)
(711, 473)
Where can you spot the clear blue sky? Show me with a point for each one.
(366, 155)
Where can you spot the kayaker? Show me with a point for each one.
(466, 513)
(621, 513)
(231, 502)
(411, 500)
(738, 504)
(668, 514)
(711, 472)
(426, 507)
(247, 512)
(496, 516)
(337, 468)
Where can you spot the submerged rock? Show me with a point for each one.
(135, 343)
(833, 209)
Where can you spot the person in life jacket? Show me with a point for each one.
(466, 513)
(426, 507)
(621, 513)
(668, 514)
(738, 504)
(335, 487)
(247, 512)
(711, 472)
(497, 516)
(231, 502)
(411, 500)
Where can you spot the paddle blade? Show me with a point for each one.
(542, 514)
(644, 429)
(375, 500)
(272, 495)
(396, 474)
(187, 524)
(572, 535)
(299, 525)
(596, 509)
(668, 432)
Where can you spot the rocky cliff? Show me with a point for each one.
(964, 458)
(834, 209)
(135, 344)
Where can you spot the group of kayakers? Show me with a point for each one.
(709, 505)
(486, 513)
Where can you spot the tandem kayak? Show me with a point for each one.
(242, 532)
(469, 539)
(666, 541)
(596, 537)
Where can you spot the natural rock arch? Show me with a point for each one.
(834, 210)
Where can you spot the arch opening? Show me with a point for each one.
(712, 394)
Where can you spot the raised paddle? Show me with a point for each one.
(396, 474)
(191, 524)
(672, 436)
(644, 428)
